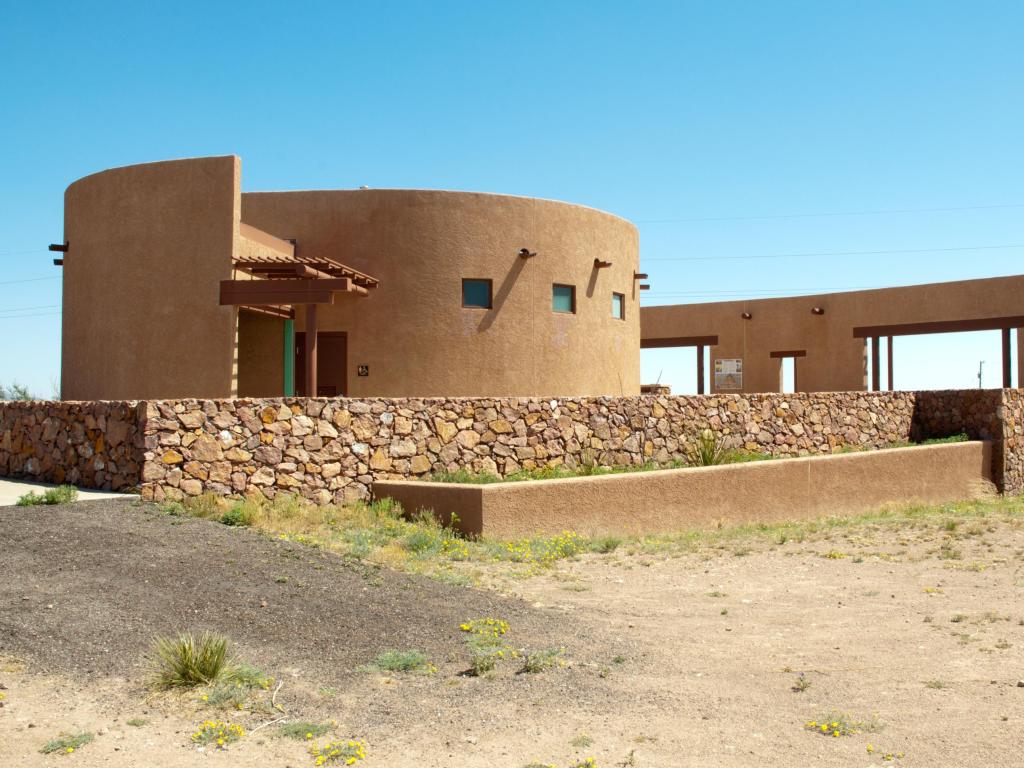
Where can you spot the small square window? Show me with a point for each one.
(476, 293)
(563, 298)
(619, 306)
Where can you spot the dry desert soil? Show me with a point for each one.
(674, 656)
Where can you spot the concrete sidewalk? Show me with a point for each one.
(11, 490)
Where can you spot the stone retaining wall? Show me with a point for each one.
(1011, 417)
(89, 444)
(334, 449)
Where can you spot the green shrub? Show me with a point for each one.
(237, 515)
(186, 661)
(62, 494)
(15, 391)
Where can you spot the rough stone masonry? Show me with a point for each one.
(332, 449)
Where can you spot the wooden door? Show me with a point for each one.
(331, 363)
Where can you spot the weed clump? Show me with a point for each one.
(543, 660)
(65, 744)
(801, 683)
(217, 732)
(62, 494)
(486, 648)
(402, 661)
(836, 724)
(303, 730)
(186, 661)
(338, 752)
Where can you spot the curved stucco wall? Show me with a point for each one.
(148, 246)
(413, 332)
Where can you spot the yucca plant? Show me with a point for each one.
(707, 450)
(186, 661)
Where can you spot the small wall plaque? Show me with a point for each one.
(363, 370)
(729, 374)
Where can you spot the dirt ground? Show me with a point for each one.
(674, 658)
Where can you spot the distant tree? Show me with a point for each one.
(15, 391)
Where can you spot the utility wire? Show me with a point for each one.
(22, 253)
(36, 314)
(27, 309)
(29, 280)
(832, 253)
(727, 294)
(838, 213)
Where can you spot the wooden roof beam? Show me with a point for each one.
(299, 291)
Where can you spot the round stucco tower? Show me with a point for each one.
(412, 336)
(458, 294)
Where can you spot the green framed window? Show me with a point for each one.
(477, 293)
(563, 298)
(619, 306)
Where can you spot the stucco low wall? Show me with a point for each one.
(334, 450)
(678, 499)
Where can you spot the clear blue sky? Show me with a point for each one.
(691, 119)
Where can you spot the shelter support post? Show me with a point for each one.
(1020, 358)
(1007, 360)
(700, 369)
(888, 369)
(876, 373)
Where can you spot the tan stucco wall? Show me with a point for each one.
(413, 332)
(675, 500)
(260, 355)
(148, 247)
(835, 360)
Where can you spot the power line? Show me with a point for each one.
(837, 213)
(30, 280)
(26, 309)
(23, 253)
(756, 291)
(832, 253)
(36, 314)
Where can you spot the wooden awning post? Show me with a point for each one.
(310, 351)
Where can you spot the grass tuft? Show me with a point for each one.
(186, 661)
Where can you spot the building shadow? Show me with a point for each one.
(498, 300)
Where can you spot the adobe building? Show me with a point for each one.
(176, 284)
(836, 341)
